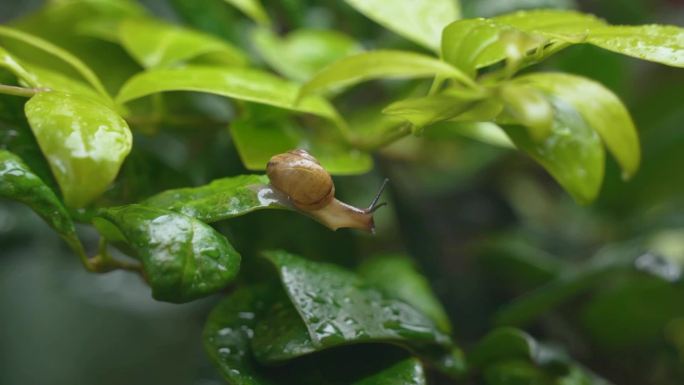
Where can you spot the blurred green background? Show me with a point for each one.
(499, 240)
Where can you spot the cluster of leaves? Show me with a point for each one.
(92, 69)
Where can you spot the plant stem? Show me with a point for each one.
(20, 91)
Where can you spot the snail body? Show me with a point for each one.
(309, 188)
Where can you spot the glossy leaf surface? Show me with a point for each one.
(527, 37)
(183, 258)
(221, 199)
(231, 326)
(239, 83)
(573, 153)
(421, 21)
(432, 109)
(18, 182)
(84, 142)
(377, 65)
(602, 111)
(398, 276)
(304, 52)
(349, 311)
(156, 44)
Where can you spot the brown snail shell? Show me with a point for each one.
(309, 188)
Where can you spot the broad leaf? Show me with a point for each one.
(378, 65)
(528, 107)
(39, 77)
(44, 45)
(184, 258)
(304, 52)
(239, 83)
(658, 43)
(528, 37)
(485, 132)
(18, 182)
(600, 108)
(263, 131)
(573, 153)
(432, 109)
(349, 311)
(231, 326)
(253, 9)
(156, 44)
(419, 20)
(397, 275)
(221, 199)
(84, 142)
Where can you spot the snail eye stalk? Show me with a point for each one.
(374, 204)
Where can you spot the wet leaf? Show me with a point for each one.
(18, 182)
(657, 43)
(526, 106)
(573, 153)
(253, 9)
(221, 199)
(350, 311)
(377, 65)
(527, 37)
(238, 83)
(603, 112)
(397, 275)
(304, 52)
(184, 258)
(263, 131)
(230, 328)
(421, 21)
(84, 142)
(156, 44)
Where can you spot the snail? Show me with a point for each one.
(309, 188)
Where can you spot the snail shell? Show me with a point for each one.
(309, 188)
(301, 177)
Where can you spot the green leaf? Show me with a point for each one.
(184, 258)
(600, 108)
(58, 52)
(526, 106)
(350, 311)
(421, 21)
(528, 37)
(239, 83)
(485, 132)
(253, 9)
(231, 326)
(84, 142)
(304, 52)
(18, 182)
(221, 199)
(38, 77)
(431, 109)
(572, 153)
(263, 131)
(397, 276)
(378, 65)
(657, 43)
(156, 44)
